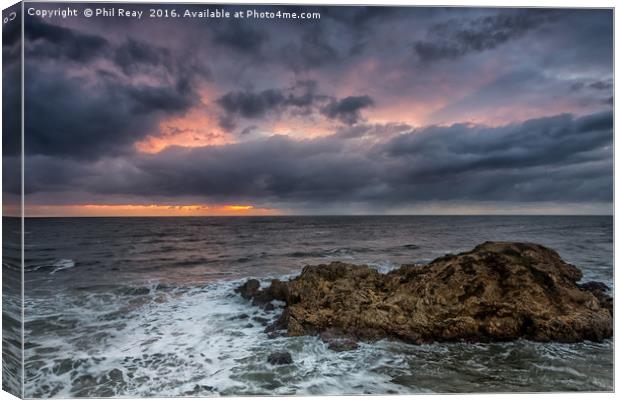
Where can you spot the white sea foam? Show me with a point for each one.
(202, 341)
(209, 341)
(62, 264)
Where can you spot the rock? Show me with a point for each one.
(599, 290)
(261, 320)
(240, 316)
(342, 345)
(199, 389)
(116, 375)
(248, 289)
(280, 358)
(337, 341)
(497, 291)
(277, 290)
(594, 286)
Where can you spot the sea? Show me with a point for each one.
(134, 307)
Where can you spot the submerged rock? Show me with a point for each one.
(280, 358)
(497, 291)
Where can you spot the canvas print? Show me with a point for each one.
(233, 200)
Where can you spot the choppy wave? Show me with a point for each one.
(55, 266)
(165, 341)
(113, 309)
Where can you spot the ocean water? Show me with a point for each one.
(145, 307)
(11, 306)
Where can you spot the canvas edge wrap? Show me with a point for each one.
(12, 201)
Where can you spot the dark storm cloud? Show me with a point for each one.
(434, 152)
(11, 107)
(11, 92)
(133, 54)
(70, 117)
(360, 17)
(11, 38)
(251, 105)
(303, 98)
(311, 51)
(561, 158)
(169, 99)
(456, 38)
(242, 37)
(85, 116)
(602, 85)
(47, 40)
(347, 110)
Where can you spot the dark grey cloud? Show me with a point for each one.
(92, 116)
(133, 55)
(302, 98)
(239, 36)
(313, 50)
(434, 152)
(456, 38)
(251, 105)
(11, 86)
(602, 85)
(11, 37)
(169, 99)
(11, 108)
(47, 40)
(347, 110)
(71, 117)
(561, 159)
(362, 18)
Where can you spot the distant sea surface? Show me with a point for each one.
(145, 307)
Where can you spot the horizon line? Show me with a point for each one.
(306, 215)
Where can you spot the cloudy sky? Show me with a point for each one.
(367, 110)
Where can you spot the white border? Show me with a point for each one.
(451, 3)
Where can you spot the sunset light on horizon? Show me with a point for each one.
(147, 210)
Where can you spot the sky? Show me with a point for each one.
(367, 110)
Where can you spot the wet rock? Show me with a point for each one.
(497, 291)
(198, 389)
(337, 341)
(240, 316)
(342, 345)
(280, 358)
(600, 290)
(277, 290)
(116, 375)
(248, 289)
(261, 320)
(275, 334)
(594, 286)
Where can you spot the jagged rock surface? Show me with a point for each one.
(497, 291)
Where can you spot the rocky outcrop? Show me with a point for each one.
(497, 291)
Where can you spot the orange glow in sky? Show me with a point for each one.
(198, 127)
(143, 210)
